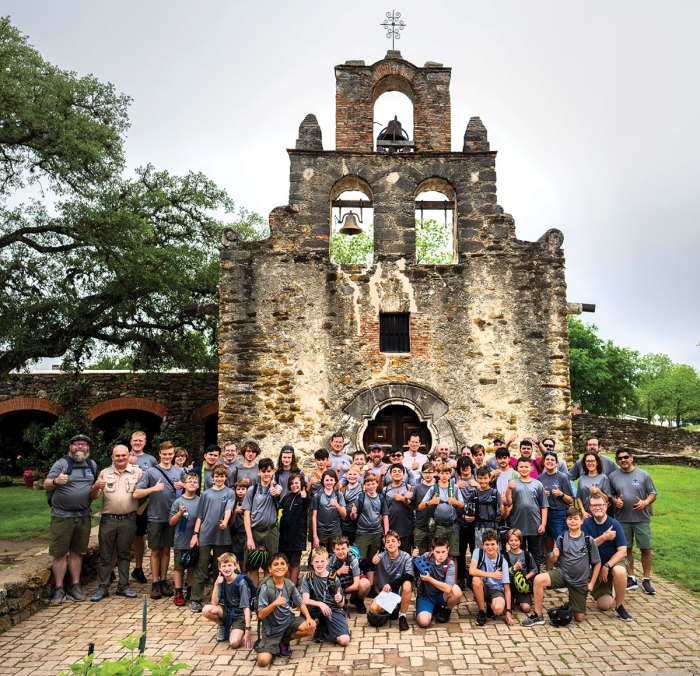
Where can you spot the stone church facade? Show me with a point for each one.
(303, 342)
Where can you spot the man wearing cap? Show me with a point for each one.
(118, 522)
(376, 463)
(72, 486)
(593, 446)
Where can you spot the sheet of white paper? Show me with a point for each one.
(388, 600)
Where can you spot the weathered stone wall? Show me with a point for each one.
(299, 338)
(181, 400)
(650, 439)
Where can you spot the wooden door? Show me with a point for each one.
(392, 427)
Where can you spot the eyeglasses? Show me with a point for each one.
(596, 506)
(623, 457)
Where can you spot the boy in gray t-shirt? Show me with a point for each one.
(577, 567)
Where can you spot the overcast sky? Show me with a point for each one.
(593, 108)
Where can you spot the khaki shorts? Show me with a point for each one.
(639, 531)
(160, 535)
(606, 588)
(69, 534)
(577, 595)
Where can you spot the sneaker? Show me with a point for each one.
(156, 592)
(403, 623)
(318, 634)
(196, 606)
(533, 620)
(442, 615)
(646, 586)
(481, 618)
(284, 650)
(138, 575)
(127, 593)
(75, 591)
(622, 613)
(59, 596)
(166, 589)
(632, 583)
(179, 599)
(99, 595)
(221, 633)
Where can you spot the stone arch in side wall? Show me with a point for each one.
(127, 403)
(428, 406)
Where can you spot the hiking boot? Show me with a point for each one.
(59, 596)
(179, 599)
(360, 605)
(221, 633)
(442, 615)
(646, 586)
(403, 623)
(75, 591)
(156, 592)
(533, 620)
(138, 575)
(166, 589)
(318, 634)
(481, 618)
(196, 606)
(632, 583)
(99, 595)
(284, 650)
(622, 613)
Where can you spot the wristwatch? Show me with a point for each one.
(606, 565)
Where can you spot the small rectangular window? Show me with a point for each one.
(394, 332)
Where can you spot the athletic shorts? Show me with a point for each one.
(368, 544)
(271, 644)
(491, 594)
(336, 624)
(577, 595)
(177, 565)
(606, 588)
(641, 532)
(160, 534)
(141, 523)
(427, 604)
(294, 558)
(69, 534)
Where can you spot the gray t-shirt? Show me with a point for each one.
(631, 487)
(281, 616)
(400, 515)
(389, 570)
(73, 498)
(144, 461)
(282, 479)
(561, 482)
(351, 496)
(159, 502)
(442, 572)
(184, 529)
(237, 601)
(528, 501)
(489, 566)
(423, 516)
(327, 516)
(321, 589)
(574, 562)
(339, 462)
(609, 466)
(242, 472)
(369, 520)
(262, 507)
(409, 460)
(212, 507)
(445, 511)
(585, 483)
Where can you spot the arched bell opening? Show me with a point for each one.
(436, 236)
(352, 222)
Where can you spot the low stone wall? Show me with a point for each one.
(26, 587)
(641, 437)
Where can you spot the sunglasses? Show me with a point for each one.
(623, 457)
(548, 445)
(549, 452)
(397, 455)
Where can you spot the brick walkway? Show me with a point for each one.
(662, 638)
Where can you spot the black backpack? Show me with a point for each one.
(71, 464)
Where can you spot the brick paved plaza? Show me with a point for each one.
(662, 638)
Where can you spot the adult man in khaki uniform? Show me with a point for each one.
(118, 523)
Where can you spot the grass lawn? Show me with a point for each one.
(675, 526)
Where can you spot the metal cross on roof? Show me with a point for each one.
(392, 25)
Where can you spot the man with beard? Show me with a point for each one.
(72, 486)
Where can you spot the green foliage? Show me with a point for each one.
(603, 375)
(434, 243)
(111, 362)
(251, 226)
(104, 260)
(353, 249)
(134, 665)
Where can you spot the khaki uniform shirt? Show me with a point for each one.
(119, 489)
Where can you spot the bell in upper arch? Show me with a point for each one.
(350, 225)
(393, 138)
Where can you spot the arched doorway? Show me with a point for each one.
(393, 425)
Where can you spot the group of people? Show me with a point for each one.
(379, 527)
